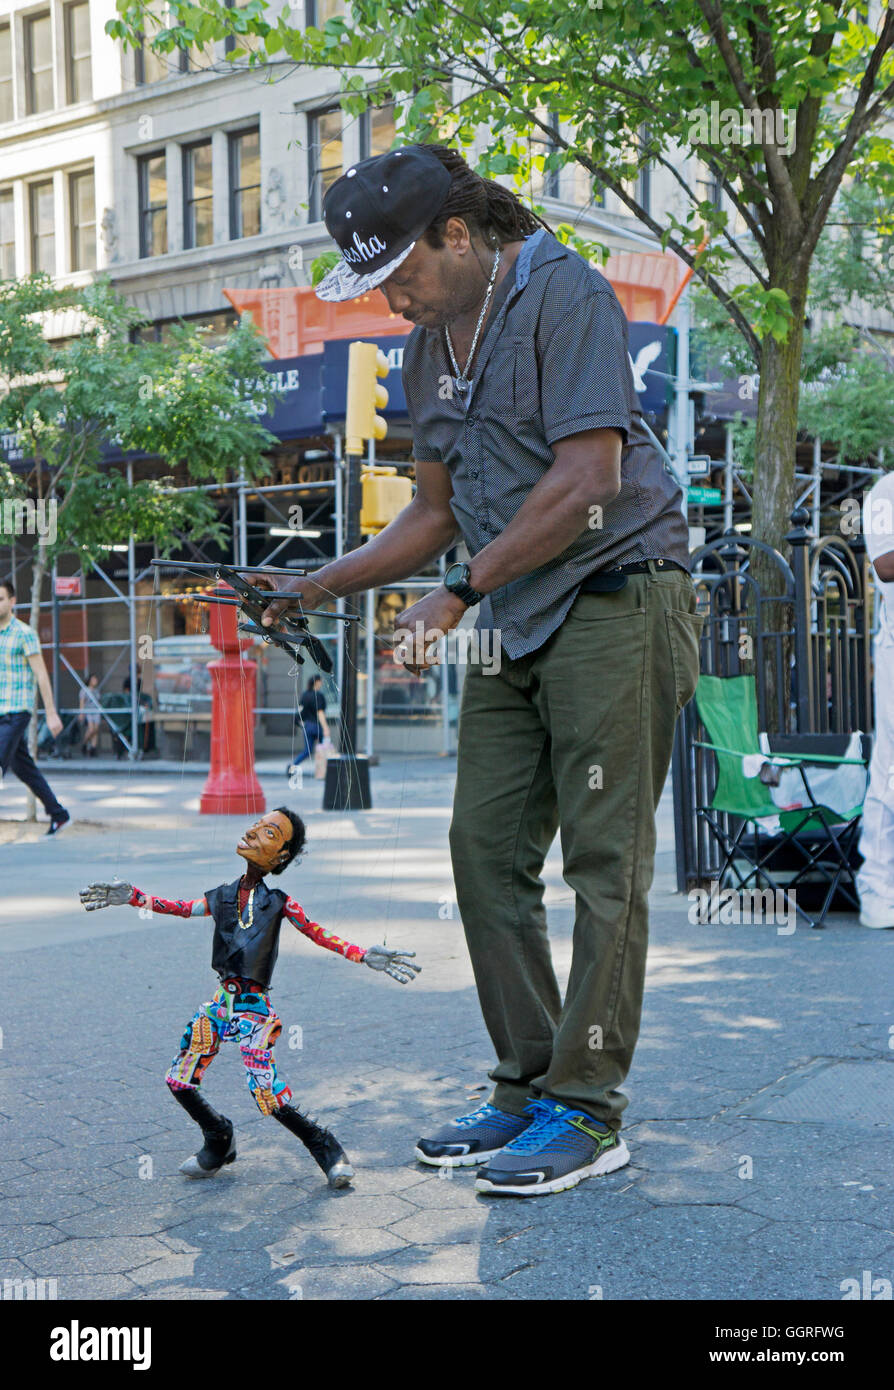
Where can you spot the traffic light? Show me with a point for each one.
(385, 493)
(366, 363)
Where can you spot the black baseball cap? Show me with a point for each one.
(376, 213)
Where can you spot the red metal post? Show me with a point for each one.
(232, 787)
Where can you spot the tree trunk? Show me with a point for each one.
(774, 492)
(38, 571)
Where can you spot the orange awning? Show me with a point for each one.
(295, 322)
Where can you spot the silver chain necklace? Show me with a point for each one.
(461, 379)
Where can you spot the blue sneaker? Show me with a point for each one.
(558, 1149)
(471, 1139)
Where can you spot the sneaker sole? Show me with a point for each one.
(457, 1160)
(616, 1157)
(877, 926)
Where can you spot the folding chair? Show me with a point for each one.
(747, 825)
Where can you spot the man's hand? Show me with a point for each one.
(394, 963)
(423, 624)
(54, 724)
(308, 590)
(97, 895)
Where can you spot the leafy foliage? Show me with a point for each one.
(182, 401)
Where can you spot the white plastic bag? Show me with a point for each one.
(841, 787)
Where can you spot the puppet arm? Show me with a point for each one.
(97, 895)
(394, 963)
(179, 907)
(327, 939)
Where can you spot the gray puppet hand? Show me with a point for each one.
(97, 895)
(394, 963)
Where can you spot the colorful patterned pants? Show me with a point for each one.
(237, 1012)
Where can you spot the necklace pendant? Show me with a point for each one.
(462, 384)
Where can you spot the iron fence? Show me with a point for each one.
(806, 639)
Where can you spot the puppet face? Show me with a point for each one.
(266, 843)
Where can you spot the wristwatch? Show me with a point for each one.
(457, 581)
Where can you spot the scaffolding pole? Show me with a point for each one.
(132, 631)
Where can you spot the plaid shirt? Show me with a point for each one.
(18, 684)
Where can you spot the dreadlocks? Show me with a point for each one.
(486, 207)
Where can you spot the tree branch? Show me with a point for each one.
(777, 172)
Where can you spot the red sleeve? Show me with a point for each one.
(295, 913)
(179, 907)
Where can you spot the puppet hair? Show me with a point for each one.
(299, 834)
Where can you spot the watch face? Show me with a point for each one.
(455, 574)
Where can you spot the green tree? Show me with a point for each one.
(615, 87)
(183, 401)
(847, 367)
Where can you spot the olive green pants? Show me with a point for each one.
(574, 737)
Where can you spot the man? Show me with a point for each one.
(528, 441)
(875, 880)
(311, 720)
(22, 668)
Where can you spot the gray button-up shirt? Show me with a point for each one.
(553, 362)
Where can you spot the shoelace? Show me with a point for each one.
(545, 1122)
(482, 1113)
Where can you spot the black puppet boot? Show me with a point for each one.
(220, 1141)
(323, 1146)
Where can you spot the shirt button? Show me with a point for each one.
(473, 472)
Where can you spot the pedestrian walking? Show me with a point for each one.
(528, 442)
(311, 720)
(22, 672)
(89, 717)
(875, 879)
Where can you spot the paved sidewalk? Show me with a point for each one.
(761, 1098)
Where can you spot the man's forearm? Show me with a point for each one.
(551, 518)
(46, 691)
(407, 544)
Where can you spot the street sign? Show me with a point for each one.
(699, 465)
(68, 586)
(705, 496)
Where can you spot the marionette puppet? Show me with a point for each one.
(247, 918)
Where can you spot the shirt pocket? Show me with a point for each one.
(518, 378)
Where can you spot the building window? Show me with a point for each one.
(249, 42)
(198, 204)
(245, 184)
(152, 66)
(39, 63)
(7, 110)
(707, 184)
(214, 327)
(153, 189)
(83, 220)
(324, 130)
(640, 187)
(316, 12)
(78, 75)
(7, 235)
(377, 131)
(586, 191)
(43, 227)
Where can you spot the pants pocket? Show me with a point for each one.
(684, 632)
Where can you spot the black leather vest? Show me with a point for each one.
(247, 951)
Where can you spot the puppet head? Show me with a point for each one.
(272, 842)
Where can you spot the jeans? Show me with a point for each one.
(313, 735)
(15, 758)
(576, 737)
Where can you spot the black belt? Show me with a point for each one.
(606, 581)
